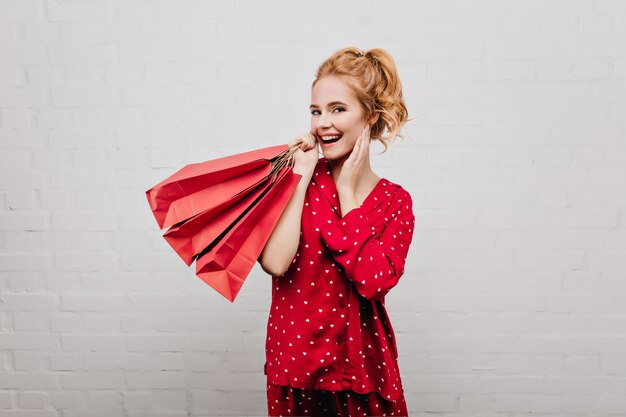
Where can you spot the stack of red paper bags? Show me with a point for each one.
(221, 213)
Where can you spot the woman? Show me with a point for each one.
(338, 248)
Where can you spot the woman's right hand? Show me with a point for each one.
(306, 156)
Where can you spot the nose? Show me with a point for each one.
(324, 120)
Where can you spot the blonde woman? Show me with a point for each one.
(337, 250)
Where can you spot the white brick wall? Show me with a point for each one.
(514, 299)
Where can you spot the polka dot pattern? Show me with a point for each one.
(287, 401)
(328, 328)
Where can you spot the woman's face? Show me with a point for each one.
(335, 111)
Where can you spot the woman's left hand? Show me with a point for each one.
(352, 169)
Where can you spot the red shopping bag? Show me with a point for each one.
(227, 264)
(195, 187)
(189, 238)
(222, 212)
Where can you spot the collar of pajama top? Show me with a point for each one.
(328, 328)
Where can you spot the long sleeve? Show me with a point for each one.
(373, 261)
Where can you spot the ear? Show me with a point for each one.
(373, 118)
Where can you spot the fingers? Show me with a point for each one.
(361, 148)
(295, 141)
(365, 143)
(310, 141)
(354, 155)
(304, 142)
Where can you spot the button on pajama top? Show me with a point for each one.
(328, 328)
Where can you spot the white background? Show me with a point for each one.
(514, 298)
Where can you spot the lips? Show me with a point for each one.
(328, 139)
(331, 139)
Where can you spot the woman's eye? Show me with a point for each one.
(315, 112)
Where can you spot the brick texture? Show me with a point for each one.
(514, 298)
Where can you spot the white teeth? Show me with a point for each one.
(331, 138)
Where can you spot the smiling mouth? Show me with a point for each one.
(331, 139)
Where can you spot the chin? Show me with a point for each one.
(334, 153)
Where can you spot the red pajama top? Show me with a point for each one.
(328, 328)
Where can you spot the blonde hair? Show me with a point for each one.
(373, 77)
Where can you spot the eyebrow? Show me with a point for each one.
(332, 103)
